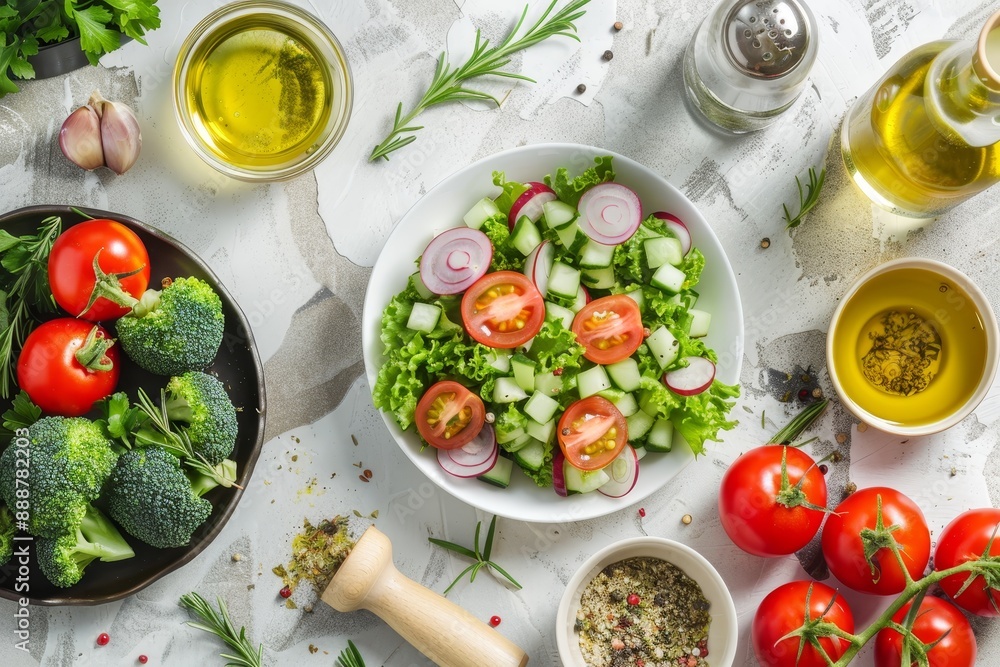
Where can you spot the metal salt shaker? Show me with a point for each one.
(749, 61)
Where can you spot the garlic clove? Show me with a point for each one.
(120, 136)
(80, 138)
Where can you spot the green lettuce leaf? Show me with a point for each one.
(555, 347)
(570, 190)
(509, 420)
(511, 191)
(505, 256)
(543, 476)
(704, 415)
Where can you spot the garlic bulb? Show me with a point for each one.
(101, 133)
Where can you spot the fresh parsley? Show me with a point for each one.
(807, 199)
(25, 25)
(481, 558)
(447, 83)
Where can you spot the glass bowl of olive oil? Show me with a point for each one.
(913, 347)
(262, 90)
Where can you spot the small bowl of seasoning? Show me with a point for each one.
(262, 90)
(913, 347)
(647, 601)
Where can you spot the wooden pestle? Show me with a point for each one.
(438, 628)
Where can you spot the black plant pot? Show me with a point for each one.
(61, 57)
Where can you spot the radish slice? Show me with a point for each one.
(610, 213)
(530, 203)
(478, 451)
(677, 226)
(458, 470)
(624, 473)
(455, 259)
(558, 477)
(538, 265)
(693, 379)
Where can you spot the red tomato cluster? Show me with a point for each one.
(772, 502)
(62, 367)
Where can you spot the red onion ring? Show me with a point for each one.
(455, 259)
(610, 213)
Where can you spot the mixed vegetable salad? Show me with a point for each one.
(558, 330)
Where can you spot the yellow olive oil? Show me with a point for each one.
(910, 347)
(258, 92)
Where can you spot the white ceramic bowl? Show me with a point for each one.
(987, 318)
(723, 633)
(443, 207)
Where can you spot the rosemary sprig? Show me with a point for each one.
(218, 623)
(481, 558)
(350, 656)
(800, 423)
(447, 83)
(807, 199)
(24, 291)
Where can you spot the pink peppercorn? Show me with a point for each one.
(143, 659)
(494, 621)
(103, 639)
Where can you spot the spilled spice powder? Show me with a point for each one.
(317, 553)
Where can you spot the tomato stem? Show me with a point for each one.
(108, 285)
(93, 354)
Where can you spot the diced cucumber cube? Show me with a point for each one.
(580, 301)
(524, 372)
(549, 384)
(640, 452)
(626, 405)
(564, 314)
(668, 278)
(661, 435)
(612, 394)
(592, 380)
(503, 437)
(525, 236)
(625, 374)
(558, 214)
(518, 444)
(569, 234)
(507, 391)
(690, 298)
(598, 278)
(663, 345)
(637, 296)
(532, 456)
(418, 284)
(482, 210)
(500, 360)
(638, 425)
(564, 281)
(700, 321)
(424, 317)
(540, 407)
(663, 250)
(596, 255)
(583, 481)
(542, 432)
(499, 474)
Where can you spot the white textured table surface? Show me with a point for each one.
(297, 255)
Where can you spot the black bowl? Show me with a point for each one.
(237, 366)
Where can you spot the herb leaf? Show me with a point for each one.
(808, 199)
(350, 656)
(446, 84)
(219, 624)
(481, 557)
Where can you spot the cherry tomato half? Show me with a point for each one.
(783, 611)
(592, 432)
(610, 328)
(845, 551)
(937, 621)
(962, 540)
(756, 515)
(71, 267)
(503, 309)
(49, 371)
(449, 415)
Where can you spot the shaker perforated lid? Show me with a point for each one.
(767, 39)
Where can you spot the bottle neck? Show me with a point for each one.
(959, 101)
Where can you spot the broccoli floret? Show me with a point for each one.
(152, 499)
(63, 559)
(199, 402)
(69, 460)
(7, 531)
(174, 330)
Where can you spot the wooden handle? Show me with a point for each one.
(438, 628)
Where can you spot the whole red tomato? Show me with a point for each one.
(71, 269)
(762, 510)
(844, 548)
(962, 540)
(50, 369)
(783, 611)
(937, 621)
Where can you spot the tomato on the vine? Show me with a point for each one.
(768, 500)
(503, 310)
(964, 539)
(937, 621)
(122, 259)
(449, 416)
(609, 328)
(591, 433)
(844, 547)
(66, 365)
(784, 610)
